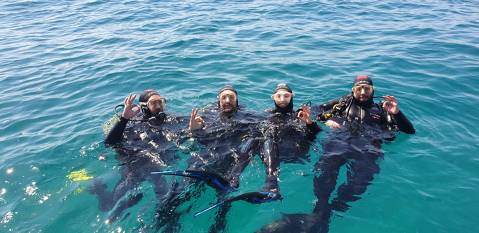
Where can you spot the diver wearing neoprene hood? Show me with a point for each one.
(287, 136)
(359, 107)
(151, 110)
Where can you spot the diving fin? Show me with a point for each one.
(212, 179)
(209, 208)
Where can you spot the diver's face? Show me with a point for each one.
(156, 104)
(227, 101)
(282, 98)
(363, 92)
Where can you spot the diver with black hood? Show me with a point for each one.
(145, 139)
(225, 134)
(151, 108)
(228, 131)
(288, 135)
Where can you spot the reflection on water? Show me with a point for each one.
(65, 65)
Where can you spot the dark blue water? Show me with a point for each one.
(64, 65)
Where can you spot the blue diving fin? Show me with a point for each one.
(212, 179)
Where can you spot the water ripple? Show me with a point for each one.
(64, 65)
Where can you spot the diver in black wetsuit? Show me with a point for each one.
(360, 128)
(359, 107)
(287, 135)
(145, 139)
(226, 132)
(230, 134)
(361, 149)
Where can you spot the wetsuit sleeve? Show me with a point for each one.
(311, 130)
(245, 154)
(403, 123)
(116, 133)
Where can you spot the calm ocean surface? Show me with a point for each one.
(64, 65)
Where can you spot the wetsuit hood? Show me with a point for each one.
(287, 109)
(228, 88)
(159, 117)
(145, 96)
(362, 79)
(359, 80)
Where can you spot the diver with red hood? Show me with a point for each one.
(359, 107)
(358, 122)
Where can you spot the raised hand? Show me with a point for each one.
(196, 122)
(304, 114)
(130, 109)
(390, 104)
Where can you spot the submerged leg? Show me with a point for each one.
(107, 200)
(167, 216)
(220, 218)
(360, 174)
(303, 223)
(326, 173)
(105, 197)
(245, 154)
(123, 205)
(326, 170)
(271, 160)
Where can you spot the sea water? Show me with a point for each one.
(64, 65)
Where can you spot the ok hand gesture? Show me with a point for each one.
(390, 104)
(304, 114)
(196, 122)
(130, 109)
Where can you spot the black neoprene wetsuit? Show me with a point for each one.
(142, 147)
(358, 143)
(286, 139)
(227, 139)
(348, 108)
(226, 143)
(364, 126)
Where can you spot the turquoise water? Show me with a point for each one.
(64, 65)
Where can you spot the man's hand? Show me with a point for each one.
(332, 124)
(196, 122)
(130, 109)
(390, 104)
(304, 115)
